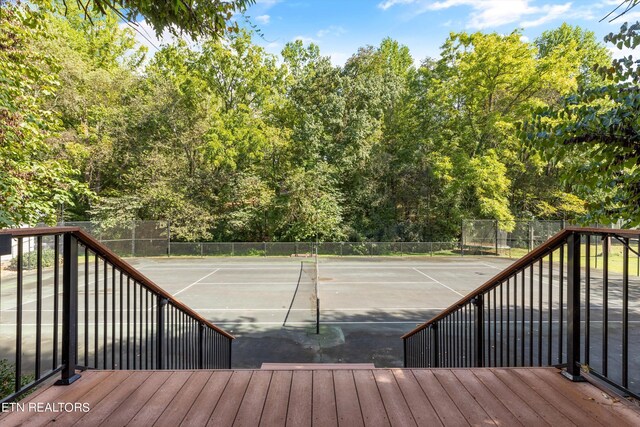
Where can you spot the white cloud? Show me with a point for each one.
(338, 58)
(492, 13)
(390, 3)
(263, 19)
(551, 13)
(332, 30)
(524, 39)
(305, 40)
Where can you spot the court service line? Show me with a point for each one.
(440, 283)
(325, 266)
(324, 309)
(321, 282)
(491, 266)
(196, 282)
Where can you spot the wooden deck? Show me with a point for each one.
(376, 397)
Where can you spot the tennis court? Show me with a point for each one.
(366, 304)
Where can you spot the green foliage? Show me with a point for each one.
(194, 19)
(33, 183)
(8, 378)
(30, 260)
(593, 135)
(228, 142)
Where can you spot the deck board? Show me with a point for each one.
(206, 402)
(229, 403)
(180, 405)
(277, 402)
(538, 403)
(485, 398)
(324, 401)
(300, 399)
(518, 407)
(352, 398)
(373, 409)
(253, 402)
(420, 406)
(347, 402)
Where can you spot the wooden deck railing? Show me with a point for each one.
(550, 308)
(113, 317)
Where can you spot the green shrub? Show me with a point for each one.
(8, 377)
(30, 260)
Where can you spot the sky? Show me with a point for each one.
(340, 27)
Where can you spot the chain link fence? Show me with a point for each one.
(478, 237)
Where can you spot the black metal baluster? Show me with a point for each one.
(134, 355)
(120, 307)
(540, 297)
(495, 340)
(625, 313)
(96, 311)
(19, 279)
(105, 306)
(508, 340)
(86, 306)
(522, 320)
(129, 322)
(501, 325)
(587, 297)
(38, 306)
(113, 317)
(550, 317)
(488, 323)
(146, 329)
(531, 314)
(56, 290)
(561, 307)
(605, 305)
(141, 337)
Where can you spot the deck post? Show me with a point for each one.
(162, 302)
(69, 310)
(200, 345)
(435, 346)
(478, 321)
(573, 308)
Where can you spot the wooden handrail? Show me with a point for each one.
(550, 245)
(110, 256)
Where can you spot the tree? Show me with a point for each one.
(194, 19)
(33, 183)
(594, 136)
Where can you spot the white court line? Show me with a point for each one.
(440, 283)
(196, 282)
(324, 266)
(323, 310)
(312, 322)
(491, 266)
(321, 282)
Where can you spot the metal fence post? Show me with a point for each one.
(497, 232)
(162, 302)
(573, 308)
(168, 238)
(133, 238)
(69, 310)
(479, 330)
